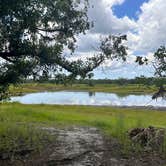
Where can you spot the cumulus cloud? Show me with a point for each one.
(88, 42)
(145, 34)
(151, 25)
(105, 22)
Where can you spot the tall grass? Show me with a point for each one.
(113, 88)
(16, 139)
(19, 122)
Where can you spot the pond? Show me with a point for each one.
(88, 98)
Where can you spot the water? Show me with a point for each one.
(88, 98)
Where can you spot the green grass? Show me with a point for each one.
(15, 119)
(23, 122)
(121, 90)
(15, 137)
(103, 117)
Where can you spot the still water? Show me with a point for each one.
(88, 98)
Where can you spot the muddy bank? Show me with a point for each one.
(83, 146)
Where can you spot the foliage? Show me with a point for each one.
(159, 65)
(142, 80)
(160, 62)
(34, 34)
(160, 70)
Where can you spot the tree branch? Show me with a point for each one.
(7, 55)
(52, 30)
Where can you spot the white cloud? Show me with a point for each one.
(145, 35)
(105, 21)
(112, 2)
(151, 31)
(88, 42)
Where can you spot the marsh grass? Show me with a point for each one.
(16, 139)
(112, 88)
(22, 123)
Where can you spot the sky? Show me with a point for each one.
(143, 21)
(130, 8)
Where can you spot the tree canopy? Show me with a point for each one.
(34, 34)
(159, 65)
(160, 62)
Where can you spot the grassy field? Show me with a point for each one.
(21, 125)
(23, 122)
(38, 87)
(103, 117)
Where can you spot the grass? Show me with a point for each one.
(15, 138)
(121, 90)
(15, 120)
(22, 123)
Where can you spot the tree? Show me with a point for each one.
(160, 71)
(34, 33)
(159, 64)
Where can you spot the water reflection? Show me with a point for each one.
(88, 98)
(122, 95)
(91, 94)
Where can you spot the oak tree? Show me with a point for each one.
(34, 34)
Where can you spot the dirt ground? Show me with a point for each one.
(83, 146)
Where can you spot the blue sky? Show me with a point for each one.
(130, 8)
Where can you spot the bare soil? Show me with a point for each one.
(83, 146)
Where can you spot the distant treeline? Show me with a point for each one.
(121, 81)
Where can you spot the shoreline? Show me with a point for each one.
(148, 108)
